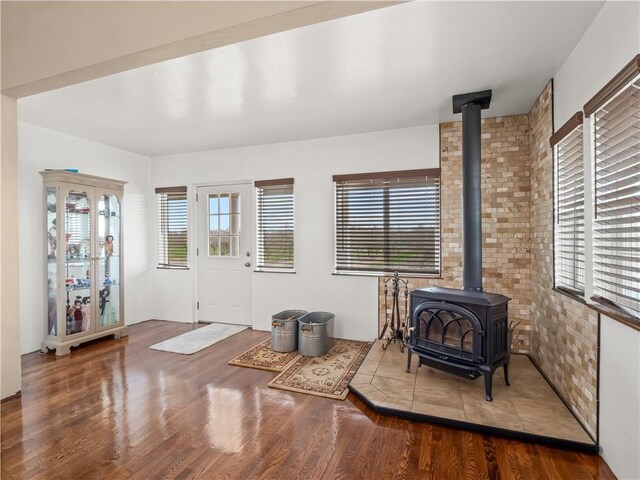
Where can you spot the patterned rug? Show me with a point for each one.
(326, 376)
(263, 358)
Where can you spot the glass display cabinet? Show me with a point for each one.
(83, 233)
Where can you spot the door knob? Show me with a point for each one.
(247, 264)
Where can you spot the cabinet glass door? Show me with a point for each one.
(52, 265)
(77, 262)
(109, 275)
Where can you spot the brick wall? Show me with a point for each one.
(565, 332)
(505, 219)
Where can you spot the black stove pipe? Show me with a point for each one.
(470, 104)
(471, 199)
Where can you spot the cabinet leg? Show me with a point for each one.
(62, 350)
(120, 333)
(408, 370)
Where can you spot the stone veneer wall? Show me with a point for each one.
(505, 219)
(564, 337)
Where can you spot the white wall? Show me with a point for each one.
(611, 41)
(619, 394)
(353, 299)
(40, 148)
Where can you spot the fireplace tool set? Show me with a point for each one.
(398, 326)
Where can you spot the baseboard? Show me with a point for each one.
(11, 397)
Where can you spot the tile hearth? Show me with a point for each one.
(529, 407)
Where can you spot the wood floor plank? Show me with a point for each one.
(116, 409)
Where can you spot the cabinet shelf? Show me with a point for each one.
(76, 289)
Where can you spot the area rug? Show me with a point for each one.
(198, 339)
(263, 358)
(326, 376)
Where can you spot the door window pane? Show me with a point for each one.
(213, 225)
(214, 245)
(225, 248)
(224, 203)
(224, 225)
(235, 246)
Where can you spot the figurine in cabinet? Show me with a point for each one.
(77, 314)
(108, 246)
(52, 315)
(107, 312)
(70, 320)
(52, 239)
(67, 237)
(86, 313)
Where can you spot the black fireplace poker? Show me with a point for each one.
(398, 325)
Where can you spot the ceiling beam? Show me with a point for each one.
(50, 45)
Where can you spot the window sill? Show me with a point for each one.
(387, 274)
(172, 268)
(615, 313)
(273, 270)
(572, 295)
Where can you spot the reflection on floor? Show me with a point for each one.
(528, 406)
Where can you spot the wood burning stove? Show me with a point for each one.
(464, 332)
(461, 332)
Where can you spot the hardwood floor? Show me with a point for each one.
(118, 410)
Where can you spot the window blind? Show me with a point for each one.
(569, 197)
(172, 227)
(388, 221)
(616, 142)
(274, 224)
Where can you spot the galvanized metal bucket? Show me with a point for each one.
(284, 330)
(315, 333)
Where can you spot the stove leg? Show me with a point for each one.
(488, 380)
(505, 367)
(408, 370)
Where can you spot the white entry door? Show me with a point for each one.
(225, 259)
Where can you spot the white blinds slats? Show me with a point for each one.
(172, 229)
(274, 226)
(616, 134)
(569, 226)
(388, 224)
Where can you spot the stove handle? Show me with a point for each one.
(411, 330)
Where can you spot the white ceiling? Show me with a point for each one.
(391, 68)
